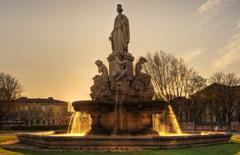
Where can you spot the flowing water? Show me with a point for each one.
(166, 123)
(80, 124)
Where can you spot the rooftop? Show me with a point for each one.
(38, 100)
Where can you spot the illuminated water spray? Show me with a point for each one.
(166, 123)
(80, 124)
(174, 121)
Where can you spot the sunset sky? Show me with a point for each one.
(51, 45)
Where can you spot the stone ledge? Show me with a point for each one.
(123, 143)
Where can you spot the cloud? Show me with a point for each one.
(193, 54)
(214, 5)
(209, 9)
(209, 6)
(230, 53)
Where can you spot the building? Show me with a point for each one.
(38, 112)
(214, 106)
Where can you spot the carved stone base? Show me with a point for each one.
(131, 117)
(112, 63)
(128, 123)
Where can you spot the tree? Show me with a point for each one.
(173, 81)
(171, 77)
(10, 90)
(226, 96)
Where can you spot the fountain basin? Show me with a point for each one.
(134, 117)
(121, 143)
(89, 106)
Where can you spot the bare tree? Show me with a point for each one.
(10, 90)
(226, 96)
(174, 81)
(171, 77)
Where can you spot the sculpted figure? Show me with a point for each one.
(121, 68)
(102, 69)
(138, 71)
(120, 35)
(142, 80)
(100, 86)
(142, 83)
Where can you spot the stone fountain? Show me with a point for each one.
(122, 108)
(121, 96)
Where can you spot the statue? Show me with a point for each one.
(101, 85)
(138, 71)
(120, 77)
(120, 35)
(142, 83)
(102, 69)
(121, 68)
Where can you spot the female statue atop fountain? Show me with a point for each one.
(120, 35)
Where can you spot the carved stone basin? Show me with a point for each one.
(134, 117)
(147, 107)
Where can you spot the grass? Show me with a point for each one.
(7, 152)
(235, 138)
(7, 138)
(223, 149)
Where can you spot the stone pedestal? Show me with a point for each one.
(123, 94)
(113, 65)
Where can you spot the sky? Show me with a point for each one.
(50, 46)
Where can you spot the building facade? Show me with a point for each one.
(39, 112)
(216, 106)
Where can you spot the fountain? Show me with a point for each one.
(80, 124)
(122, 114)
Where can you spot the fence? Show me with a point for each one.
(214, 127)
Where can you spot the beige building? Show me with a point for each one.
(39, 112)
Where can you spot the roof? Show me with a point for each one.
(38, 100)
(216, 87)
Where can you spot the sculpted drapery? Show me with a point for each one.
(120, 35)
